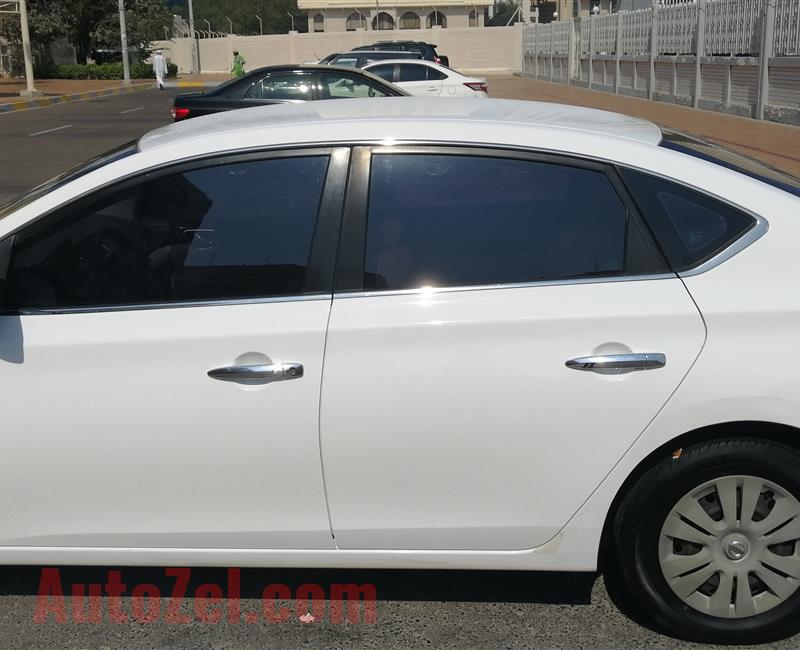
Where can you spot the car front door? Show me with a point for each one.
(464, 405)
(161, 356)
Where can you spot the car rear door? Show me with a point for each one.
(503, 330)
(161, 357)
(414, 78)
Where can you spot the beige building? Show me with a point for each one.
(346, 16)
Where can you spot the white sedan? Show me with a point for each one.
(413, 334)
(428, 79)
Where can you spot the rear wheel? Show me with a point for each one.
(708, 541)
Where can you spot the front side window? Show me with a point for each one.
(454, 220)
(285, 87)
(690, 227)
(343, 86)
(237, 230)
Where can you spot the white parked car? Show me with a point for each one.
(428, 79)
(338, 334)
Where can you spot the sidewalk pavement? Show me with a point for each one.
(60, 91)
(775, 144)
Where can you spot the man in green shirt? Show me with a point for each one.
(238, 64)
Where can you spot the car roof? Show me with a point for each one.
(392, 118)
(430, 64)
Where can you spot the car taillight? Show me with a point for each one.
(179, 114)
(436, 59)
(477, 86)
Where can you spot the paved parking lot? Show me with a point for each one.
(37, 144)
(414, 609)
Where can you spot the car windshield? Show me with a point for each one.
(127, 149)
(731, 159)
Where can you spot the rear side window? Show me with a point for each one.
(690, 227)
(385, 71)
(450, 220)
(411, 72)
(237, 230)
(281, 86)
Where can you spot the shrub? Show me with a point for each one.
(102, 71)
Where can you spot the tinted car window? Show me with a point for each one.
(690, 227)
(435, 75)
(411, 72)
(338, 86)
(282, 87)
(446, 220)
(349, 61)
(237, 230)
(384, 71)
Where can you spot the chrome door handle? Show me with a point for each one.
(619, 362)
(264, 373)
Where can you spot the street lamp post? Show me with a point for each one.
(230, 25)
(195, 62)
(30, 89)
(126, 70)
(260, 25)
(292, 19)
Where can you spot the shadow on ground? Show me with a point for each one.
(390, 585)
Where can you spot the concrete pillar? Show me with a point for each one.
(767, 48)
(700, 52)
(651, 86)
(618, 52)
(592, 20)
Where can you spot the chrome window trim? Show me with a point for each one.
(171, 305)
(384, 146)
(496, 287)
(737, 246)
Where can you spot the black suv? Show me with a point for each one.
(427, 50)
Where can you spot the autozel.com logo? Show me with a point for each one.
(82, 603)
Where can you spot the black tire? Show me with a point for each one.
(636, 529)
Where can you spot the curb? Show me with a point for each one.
(192, 84)
(73, 97)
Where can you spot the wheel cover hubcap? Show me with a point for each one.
(730, 548)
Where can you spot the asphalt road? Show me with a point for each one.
(37, 144)
(414, 609)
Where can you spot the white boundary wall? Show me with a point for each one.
(473, 49)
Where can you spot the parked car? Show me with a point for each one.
(360, 59)
(551, 336)
(425, 78)
(283, 84)
(427, 50)
(327, 59)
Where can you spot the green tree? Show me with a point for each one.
(88, 23)
(502, 14)
(273, 13)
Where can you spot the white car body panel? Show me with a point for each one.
(738, 376)
(453, 85)
(172, 471)
(463, 401)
